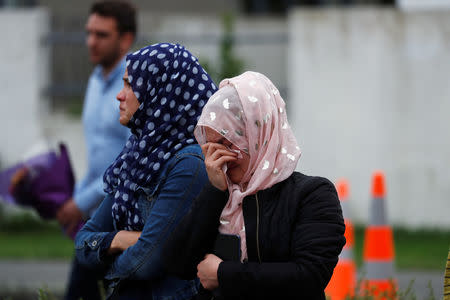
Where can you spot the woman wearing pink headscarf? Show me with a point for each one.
(258, 230)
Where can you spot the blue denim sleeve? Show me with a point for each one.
(92, 241)
(143, 261)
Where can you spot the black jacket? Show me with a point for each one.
(294, 234)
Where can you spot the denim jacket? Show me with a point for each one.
(162, 205)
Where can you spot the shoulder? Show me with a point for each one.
(193, 151)
(185, 165)
(306, 184)
(187, 160)
(310, 199)
(301, 190)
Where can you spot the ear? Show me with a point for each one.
(126, 40)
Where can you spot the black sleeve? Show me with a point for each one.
(194, 236)
(317, 238)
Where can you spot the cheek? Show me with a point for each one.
(104, 41)
(134, 103)
(245, 162)
(108, 45)
(239, 169)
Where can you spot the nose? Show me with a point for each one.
(121, 95)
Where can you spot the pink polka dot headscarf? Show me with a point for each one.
(249, 111)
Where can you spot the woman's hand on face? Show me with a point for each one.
(216, 155)
(207, 271)
(122, 240)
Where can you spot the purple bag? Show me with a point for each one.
(48, 184)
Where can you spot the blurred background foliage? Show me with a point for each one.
(229, 65)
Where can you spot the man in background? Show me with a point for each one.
(111, 30)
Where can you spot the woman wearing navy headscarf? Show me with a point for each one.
(151, 184)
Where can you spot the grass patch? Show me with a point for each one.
(423, 249)
(25, 236)
(34, 245)
(427, 249)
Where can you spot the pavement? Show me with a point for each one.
(19, 276)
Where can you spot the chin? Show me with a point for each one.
(234, 178)
(123, 122)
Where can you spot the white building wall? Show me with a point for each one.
(24, 73)
(370, 89)
(261, 41)
(428, 5)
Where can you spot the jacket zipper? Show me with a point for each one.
(257, 228)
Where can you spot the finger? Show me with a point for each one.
(217, 164)
(224, 151)
(210, 150)
(205, 148)
(212, 156)
(220, 153)
(203, 283)
(212, 147)
(217, 146)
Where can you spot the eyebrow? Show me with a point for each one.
(102, 33)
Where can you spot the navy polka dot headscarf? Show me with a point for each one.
(172, 89)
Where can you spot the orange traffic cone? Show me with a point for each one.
(343, 281)
(378, 253)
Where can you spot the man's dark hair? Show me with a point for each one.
(123, 12)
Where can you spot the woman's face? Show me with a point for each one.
(129, 104)
(235, 169)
